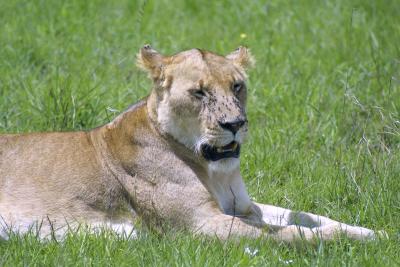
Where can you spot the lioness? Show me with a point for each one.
(170, 158)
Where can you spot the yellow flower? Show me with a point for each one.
(243, 35)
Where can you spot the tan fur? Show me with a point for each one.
(147, 163)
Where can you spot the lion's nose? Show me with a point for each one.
(232, 126)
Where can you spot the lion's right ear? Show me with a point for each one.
(150, 61)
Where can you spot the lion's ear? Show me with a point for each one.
(242, 57)
(150, 61)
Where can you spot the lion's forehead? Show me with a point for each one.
(205, 69)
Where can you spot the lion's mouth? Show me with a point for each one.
(214, 153)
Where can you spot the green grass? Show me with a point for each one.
(324, 111)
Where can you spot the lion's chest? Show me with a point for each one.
(164, 186)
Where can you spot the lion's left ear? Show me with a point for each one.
(242, 57)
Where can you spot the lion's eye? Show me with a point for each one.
(237, 87)
(198, 93)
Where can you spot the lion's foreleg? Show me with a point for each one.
(226, 226)
(320, 226)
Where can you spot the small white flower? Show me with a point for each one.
(287, 262)
(250, 251)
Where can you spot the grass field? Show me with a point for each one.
(324, 112)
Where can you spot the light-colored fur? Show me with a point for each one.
(148, 163)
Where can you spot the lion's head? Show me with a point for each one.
(201, 98)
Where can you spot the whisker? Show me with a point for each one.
(197, 146)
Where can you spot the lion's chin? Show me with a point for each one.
(214, 153)
(226, 166)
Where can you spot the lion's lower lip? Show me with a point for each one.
(230, 147)
(231, 150)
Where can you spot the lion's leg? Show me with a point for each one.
(321, 226)
(279, 226)
(124, 230)
(120, 229)
(57, 230)
(226, 226)
(273, 215)
(210, 221)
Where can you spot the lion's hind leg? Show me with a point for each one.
(122, 230)
(47, 229)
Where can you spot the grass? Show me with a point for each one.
(324, 111)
